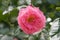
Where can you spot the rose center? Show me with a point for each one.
(31, 19)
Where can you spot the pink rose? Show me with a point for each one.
(31, 19)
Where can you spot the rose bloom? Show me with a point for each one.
(31, 19)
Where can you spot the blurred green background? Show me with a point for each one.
(8, 19)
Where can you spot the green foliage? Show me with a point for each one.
(8, 21)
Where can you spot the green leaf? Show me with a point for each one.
(14, 2)
(44, 35)
(5, 4)
(54, 27)
(28, 2)
(57, 14)
(58, 8)
(0, 3)
(56, 2)
(52, 15)
(31, 38)
(21, 2)
(3, 17)
(1, 14)
(56, 37)
(14, 13)
(5, 37)
(35, 2)
(4, 28)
